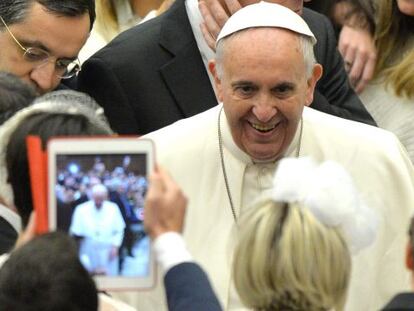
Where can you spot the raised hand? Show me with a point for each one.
(215, 16)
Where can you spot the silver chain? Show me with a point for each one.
(223, 166)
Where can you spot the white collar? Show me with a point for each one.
(11, 217)
(230, 145)
(196, 19)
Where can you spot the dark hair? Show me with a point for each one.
(58, 113)
(46, 275)
(15, 11)
(14, 95)
(44, 125)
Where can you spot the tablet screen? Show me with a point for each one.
(99, 201)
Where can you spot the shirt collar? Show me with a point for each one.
(230, 145)
(196, 19)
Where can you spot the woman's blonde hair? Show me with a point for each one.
(392, 33)
(106, 19)
(287, 260)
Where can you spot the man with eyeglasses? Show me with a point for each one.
(40, 39)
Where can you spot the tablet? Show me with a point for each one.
(96, 191)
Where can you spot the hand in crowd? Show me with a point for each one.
(215, 16)
(29, 232)
(165, 205)
(358, 50)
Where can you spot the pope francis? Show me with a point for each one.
(224, 159)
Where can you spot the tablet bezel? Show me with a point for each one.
(97, 146)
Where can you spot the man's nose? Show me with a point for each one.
(264, 109)
(45, 77)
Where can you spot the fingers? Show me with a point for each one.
(213, 16)
(359, 52)
(156, 185)
(165, 205)
(361, 70)
(29, 232)
(356, 69)
(342, 45)
(211, 42)
(367, 75)
(216, 12)
(349, 58)
(171, 188)
(233, 6)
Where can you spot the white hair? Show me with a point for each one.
(99, 189)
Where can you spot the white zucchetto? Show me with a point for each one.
(265, 14)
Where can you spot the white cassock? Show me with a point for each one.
(189, 149)
(101, 230)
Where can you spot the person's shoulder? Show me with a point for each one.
(188, 126)
(345, 131)
(111, 204)
(402, 301)
(187, 135)
(131, 42)
(84, 205)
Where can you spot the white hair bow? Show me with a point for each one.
(328, 191)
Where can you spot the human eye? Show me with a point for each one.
(63, 64)
(244, 90)
(283, 90)
(35, 55)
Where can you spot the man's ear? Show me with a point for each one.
(212, 66)
(409, 260)
(314, 78)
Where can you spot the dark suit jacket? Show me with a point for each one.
(8, 236)
(153, 74)
(187, 288)
(401, 302)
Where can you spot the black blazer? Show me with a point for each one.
(153, 74)
(401, 302)
(187, 288)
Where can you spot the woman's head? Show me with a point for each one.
(61, 113)
(288, 260)
(294, 250)
(394, 30)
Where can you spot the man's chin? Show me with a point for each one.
(260, 153)
(258, 157)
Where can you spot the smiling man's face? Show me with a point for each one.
(263, 85)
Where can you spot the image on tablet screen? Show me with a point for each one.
(100, 202)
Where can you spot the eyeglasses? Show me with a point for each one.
(64, 68)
